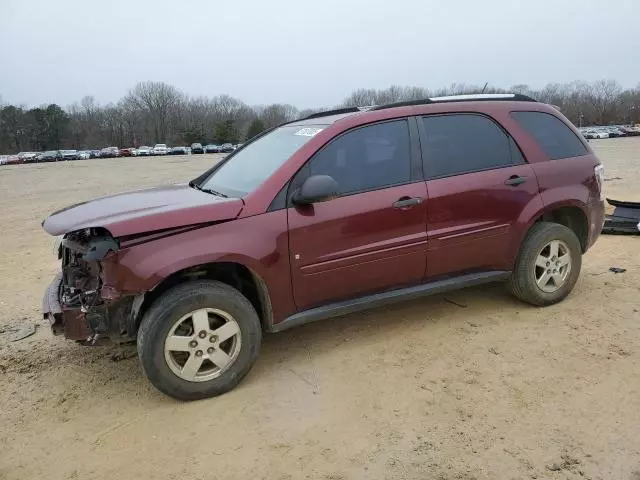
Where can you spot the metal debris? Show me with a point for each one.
(461, 305)
(624, 220)
(617, 270)
(23, 332)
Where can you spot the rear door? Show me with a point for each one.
(373, 236)
(479, 184)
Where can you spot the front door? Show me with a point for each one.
(373, 236)
(479, 186)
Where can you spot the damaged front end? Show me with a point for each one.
(74, 302)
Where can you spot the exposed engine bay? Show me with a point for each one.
(80, 253)
(73, 302)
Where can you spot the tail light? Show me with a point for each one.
(599, 173)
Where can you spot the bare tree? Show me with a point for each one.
(605, 94)
(157, 112)
(158, 101)
(277, 113)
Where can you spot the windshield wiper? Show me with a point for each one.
(208, 190)
(212, 191)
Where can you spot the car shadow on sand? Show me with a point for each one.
(116, 368)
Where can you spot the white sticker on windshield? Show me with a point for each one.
(308, 132)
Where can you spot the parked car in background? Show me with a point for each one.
(374, 207)
(238, 146)
(110, 152)
(587, 134)
(27, 157)
(32, 158)
(50, 156)
(597, 134)
(160, 149)
(83, 155)
(127, 152)
(211, 148)
(631, 131)
(178, 151)
(94, 153)
(143, 151)
(3, 159)
(612, 132)
(196, 148)
(226, 148)
(13, 160)
(68, 154)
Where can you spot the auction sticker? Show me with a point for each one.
(308, 132)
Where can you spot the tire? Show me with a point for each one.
(523, 282)
(162, 366)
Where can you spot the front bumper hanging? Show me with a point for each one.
(70, 322)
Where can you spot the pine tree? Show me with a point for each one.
(255, 128)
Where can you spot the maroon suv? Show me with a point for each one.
(335, 213)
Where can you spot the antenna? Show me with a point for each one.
(485, 87)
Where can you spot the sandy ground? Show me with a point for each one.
(486, 389)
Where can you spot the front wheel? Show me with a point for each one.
(199, 340)
(548, 264)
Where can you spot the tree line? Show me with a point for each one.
(156, 112)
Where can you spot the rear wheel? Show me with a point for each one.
(548, 264)
(199, 340)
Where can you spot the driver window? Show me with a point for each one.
(367, 158)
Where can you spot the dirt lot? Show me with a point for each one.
(483, 388)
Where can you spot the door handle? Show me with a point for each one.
(407, 202)
(515, 180)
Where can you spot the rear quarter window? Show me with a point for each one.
(552, 134)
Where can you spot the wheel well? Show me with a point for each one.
(238, 276)
(571, 217)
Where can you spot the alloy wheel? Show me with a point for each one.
(552, 267)
(202, 345)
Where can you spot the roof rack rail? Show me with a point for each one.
(517, 97)
(337, 111)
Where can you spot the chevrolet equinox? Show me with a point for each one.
(337, 212)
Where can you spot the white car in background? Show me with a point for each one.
(597, 134)
(160, 149)
(27, 157)
(143, 151)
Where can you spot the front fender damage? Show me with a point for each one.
(77, 304)
(85, 302)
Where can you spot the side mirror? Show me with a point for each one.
(317, 188)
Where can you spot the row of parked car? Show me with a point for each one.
(212, 148)
(613, 131)
(112, 152)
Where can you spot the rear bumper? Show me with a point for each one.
(596, 221)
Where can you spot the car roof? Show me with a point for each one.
(322, 120)
(473, 101)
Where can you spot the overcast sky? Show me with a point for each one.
(307, 53)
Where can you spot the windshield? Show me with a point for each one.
(252, 165)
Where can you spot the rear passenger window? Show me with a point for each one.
(554, 137)
(464, 143)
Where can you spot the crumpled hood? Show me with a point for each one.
(147, 210)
